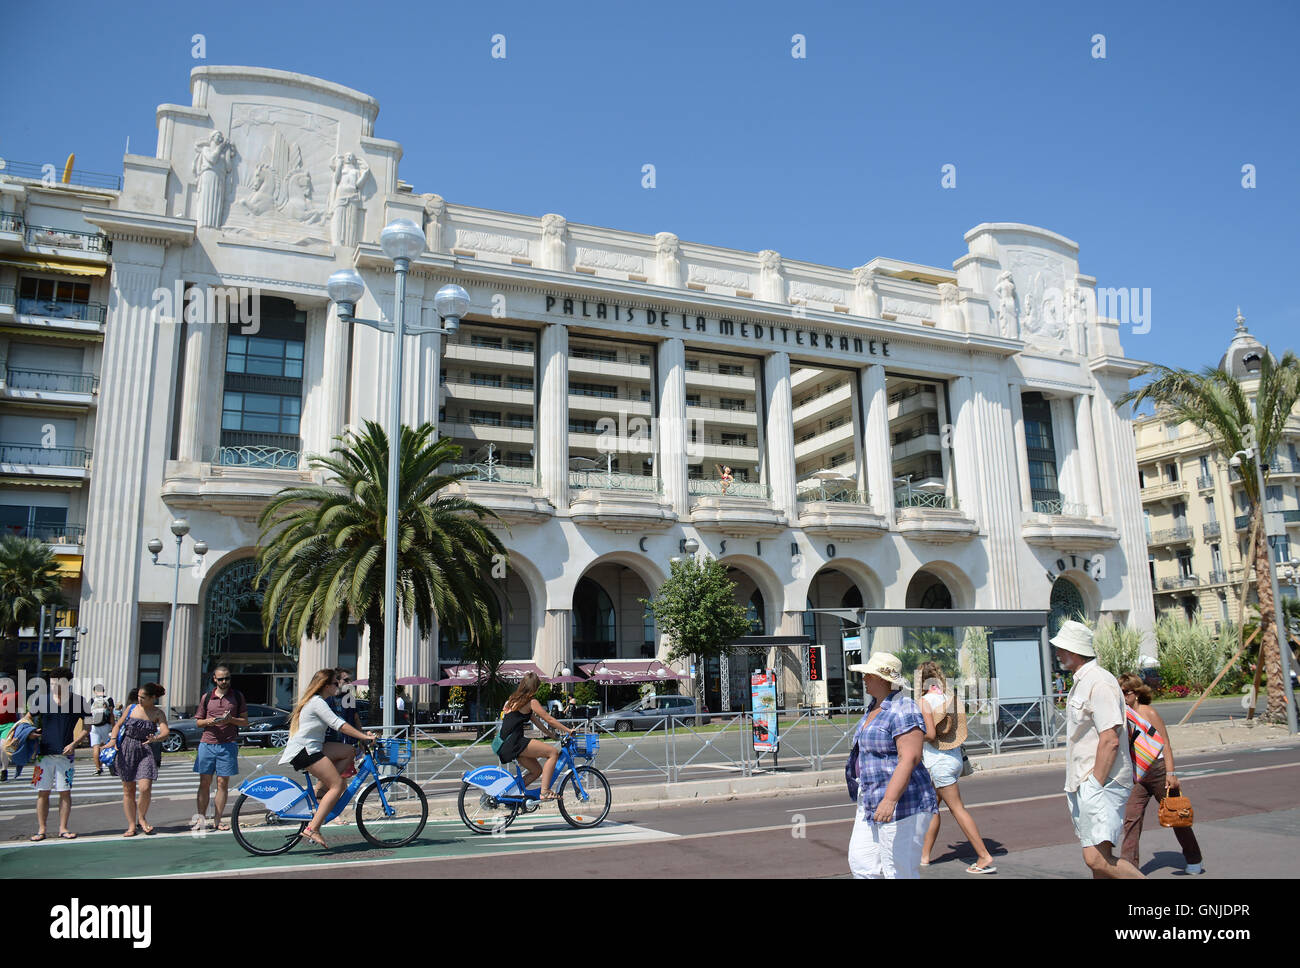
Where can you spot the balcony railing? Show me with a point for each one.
(1216, 577)
(902, 436)
(1058, 506)
(605, 480)
(68, 239)
(1170, 535)
(64, 534)
(911, 391)
(917, 499)
(1182, 581)
(1164, 489)
(1205, 483)
(822, 492)
(63, 309)
(50, 381)
(1241, 522)
(495, 473)
(86, 179)
(276, 458)
(751, 489)
(7, 295)
(12, 453)
(11, 222)
(1211, 530)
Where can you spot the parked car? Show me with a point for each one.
(649, 712)
(270, 723)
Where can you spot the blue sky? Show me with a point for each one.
(834, 158)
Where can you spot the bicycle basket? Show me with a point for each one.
(393, 752)
(586, 744)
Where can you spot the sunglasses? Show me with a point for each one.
(221, 678)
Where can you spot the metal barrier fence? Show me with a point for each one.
(721, 744)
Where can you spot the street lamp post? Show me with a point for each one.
(1284, 644)
(402, 240)
(180, 528)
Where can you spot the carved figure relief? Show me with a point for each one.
(808, 292)
(668, 265)
(1008, 321)
(771, 287)
(866, 297)
(950, 310)
(435, 216)
(1040, 284)
(214, 157)
(554, 250)
(347, 210)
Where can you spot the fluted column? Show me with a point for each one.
(194, 386)
(553, 420)
(328, 399)
(557, 640)
(183, 668)
(1022, 448)
(876, 450)
(779, 434)
(114, 552)
(317, 654)
(671, 461)
(1087, 453)
(961, 467)
(990, 462)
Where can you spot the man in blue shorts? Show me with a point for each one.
(222, 713)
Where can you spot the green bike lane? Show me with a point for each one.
(210, 853)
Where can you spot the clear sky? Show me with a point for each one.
(833, 158)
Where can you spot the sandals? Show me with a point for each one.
(315, 837)
(223, 825)
(147, 830)
(67, 835)
(976, 869)
(550, 795)
(36, 838)
(129, 833)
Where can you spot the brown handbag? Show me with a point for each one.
(1175, 811)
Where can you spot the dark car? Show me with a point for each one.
(269, 726)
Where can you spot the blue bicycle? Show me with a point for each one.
(490, 798)
(272, 811)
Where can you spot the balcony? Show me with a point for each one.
(912, 400)
(1182, 581)
(273, 458)
(1216, 577)
(1057, 506)
(817, 441)
(737, 509)
(61, 314)
(1204, 483)
(62, 538)
(1211, 530)
(49, 240)
(1165, 491)
(511, 491)
(932, 517)
(33, 460)
(618, 502)
(239, 480)
(48, 386)
(838, 512)
(12, 228)
(1057, 523)
(1168, 536)
(1241, 522)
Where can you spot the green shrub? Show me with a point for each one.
(1118, 647)
(586, 694)
(1190, 654)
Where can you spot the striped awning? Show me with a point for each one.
(54, 265)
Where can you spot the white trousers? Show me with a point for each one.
(887, 850)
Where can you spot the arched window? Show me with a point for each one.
(593, 622)
(810, 623)
(1066, 603)
(754, 613)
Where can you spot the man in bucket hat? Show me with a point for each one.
(1098, 776)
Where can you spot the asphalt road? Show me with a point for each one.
(1245, 800)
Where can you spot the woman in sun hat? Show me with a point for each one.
(945, 731)
(895, 795)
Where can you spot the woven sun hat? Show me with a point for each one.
(885, 665)
(1075, 637)
(950, 729)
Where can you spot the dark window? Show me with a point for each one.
(54, 290)
(262, 402)
(731, 369)
(491, 418)
(1041, 447)
(519, 382)
(593, 622)
(487, 342)
(485, 379)
(736, 439)
(521, 420)
(260, 413)
(520, 345)
(582, 426)
(593, 390)
(149, 666)
(692, 399)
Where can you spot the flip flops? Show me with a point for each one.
(36, 838)
(973, 869)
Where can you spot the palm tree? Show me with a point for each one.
(322, 546)
(1237, 419)
(29, 579)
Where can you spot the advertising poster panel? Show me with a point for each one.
(762, 687)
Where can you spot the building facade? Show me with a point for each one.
(889, 436)
(1195, 512)
(54, 285)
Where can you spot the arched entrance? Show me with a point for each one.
(232, 636)
(609, 621)
(833, 587)
(927, 590)
(1066, 603)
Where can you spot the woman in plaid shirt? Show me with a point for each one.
(895, 796)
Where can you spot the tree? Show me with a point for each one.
(696, 609)
(1236, 419)
(29, 579)
(321, 558)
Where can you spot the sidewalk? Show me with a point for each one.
(1193, 738)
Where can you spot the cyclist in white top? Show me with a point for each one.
(307, 749)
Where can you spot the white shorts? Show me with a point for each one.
(1098, 812)
(889, 851)
(52, 773)
(944, 766)
(100, 735)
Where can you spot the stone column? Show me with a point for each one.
(1087, 453)
(779, 434)
(183, 667)
(557, 640)
(194, 385)
(316, 654)
(329, 398)
(962, 464)
(671, 461)
(1022, 448)
(553, 419)
(878, 454)
(114, 552)
(999, 504)
(1069, 480)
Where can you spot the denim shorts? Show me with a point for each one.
(944, 765)
(219, 758)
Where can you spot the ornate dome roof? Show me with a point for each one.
(1244, 352)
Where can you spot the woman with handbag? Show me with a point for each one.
(894, 794)
(945, 731)
(141, 726)
(1153, 771)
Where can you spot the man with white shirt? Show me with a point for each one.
(1098, 776)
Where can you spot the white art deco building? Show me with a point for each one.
(895, 435)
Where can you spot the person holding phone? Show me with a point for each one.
(222, 713)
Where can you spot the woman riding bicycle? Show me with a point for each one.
(307, 749)
(519, 710)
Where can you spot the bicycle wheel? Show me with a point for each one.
(402, 822)
(484, 814)
(261, 832)
(591, 809)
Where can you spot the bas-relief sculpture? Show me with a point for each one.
(714, 276)
(603, 259)
(906, 307)
(668, 264)
(951, 315)
(808, 292)
(435, 217)
(1040, 284)
(478, 241)
(214, 157)
(1008, 320)
(771, 287)
(347, 209)
(554, 242)
(866, 297)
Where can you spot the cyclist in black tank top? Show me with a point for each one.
(520, 709)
